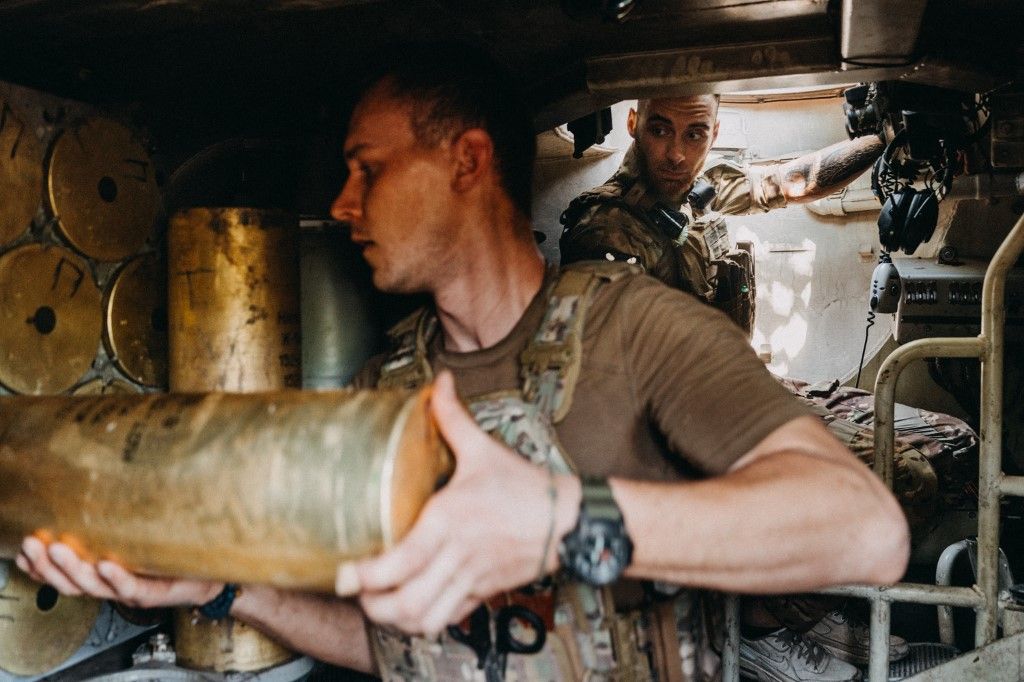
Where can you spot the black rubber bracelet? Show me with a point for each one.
(220, 606)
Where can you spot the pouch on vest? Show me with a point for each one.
(730, 271)
(735, 288)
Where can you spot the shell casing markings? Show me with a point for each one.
(50, 320)
(233, 304)
(102, 189)
(21, 174)
(241, 488)
(40, 628)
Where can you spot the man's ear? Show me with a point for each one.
(714, 135)
(473, 156)
(631, 122)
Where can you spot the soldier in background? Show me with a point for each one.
(593, 509)
(663, 208)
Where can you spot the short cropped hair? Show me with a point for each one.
(641, 105)
(454, 87)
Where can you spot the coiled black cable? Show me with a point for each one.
(863, 350)
(883, 257)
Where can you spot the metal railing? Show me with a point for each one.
(993, 484)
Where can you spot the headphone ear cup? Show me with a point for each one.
(892, 220)
(920, 221)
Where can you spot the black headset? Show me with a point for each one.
(909, 215)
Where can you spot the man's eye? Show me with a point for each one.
(660, 131)
(697, 135)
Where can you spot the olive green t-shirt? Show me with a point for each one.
(668, 387)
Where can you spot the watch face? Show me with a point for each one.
(600, 552)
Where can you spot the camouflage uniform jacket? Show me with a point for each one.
(611, 222)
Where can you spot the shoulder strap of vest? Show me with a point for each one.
(407, 365)
(621, 190)
(550, 363)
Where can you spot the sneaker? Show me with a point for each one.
(849, 639)
(785, 656)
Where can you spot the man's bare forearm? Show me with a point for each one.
(324, 627)
(818, 174)
(795, 520)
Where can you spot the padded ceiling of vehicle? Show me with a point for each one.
(267, 59)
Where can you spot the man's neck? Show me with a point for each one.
(480, 304)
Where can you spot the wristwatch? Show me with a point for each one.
(219, 607)
(598, 549)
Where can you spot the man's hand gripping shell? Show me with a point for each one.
(483, 533)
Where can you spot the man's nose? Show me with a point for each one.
(676, 154)
(347, 207)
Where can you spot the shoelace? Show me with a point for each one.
(805, 649)
(861, 629)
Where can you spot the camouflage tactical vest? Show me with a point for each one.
(693, 249)
(586, 637)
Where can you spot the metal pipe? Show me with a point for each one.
(1012, 485)
(978, 186)
(878, 656)
(1013, 613)
(914, 593)
(849, 200)
(993, 321)
(273, 488)
(339, 331)
(731, 650)
(885, 389)
(943, 576)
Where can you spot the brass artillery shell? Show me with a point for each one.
(273, 488)
(50, 319)
(233, 300)
(103, 190)
(233, 314)
(21, 173)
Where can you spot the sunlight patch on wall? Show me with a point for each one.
(781, 298)
(787, 340)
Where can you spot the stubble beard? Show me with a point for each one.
(671, 193)
(415, 276)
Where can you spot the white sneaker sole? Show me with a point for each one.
(753, 670)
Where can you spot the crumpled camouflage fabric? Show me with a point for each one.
(934, 452)
(935, 434)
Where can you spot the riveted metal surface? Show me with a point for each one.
(135, 320)
(21, 174)
(40, 628)
(102, 189)
(50, 319)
